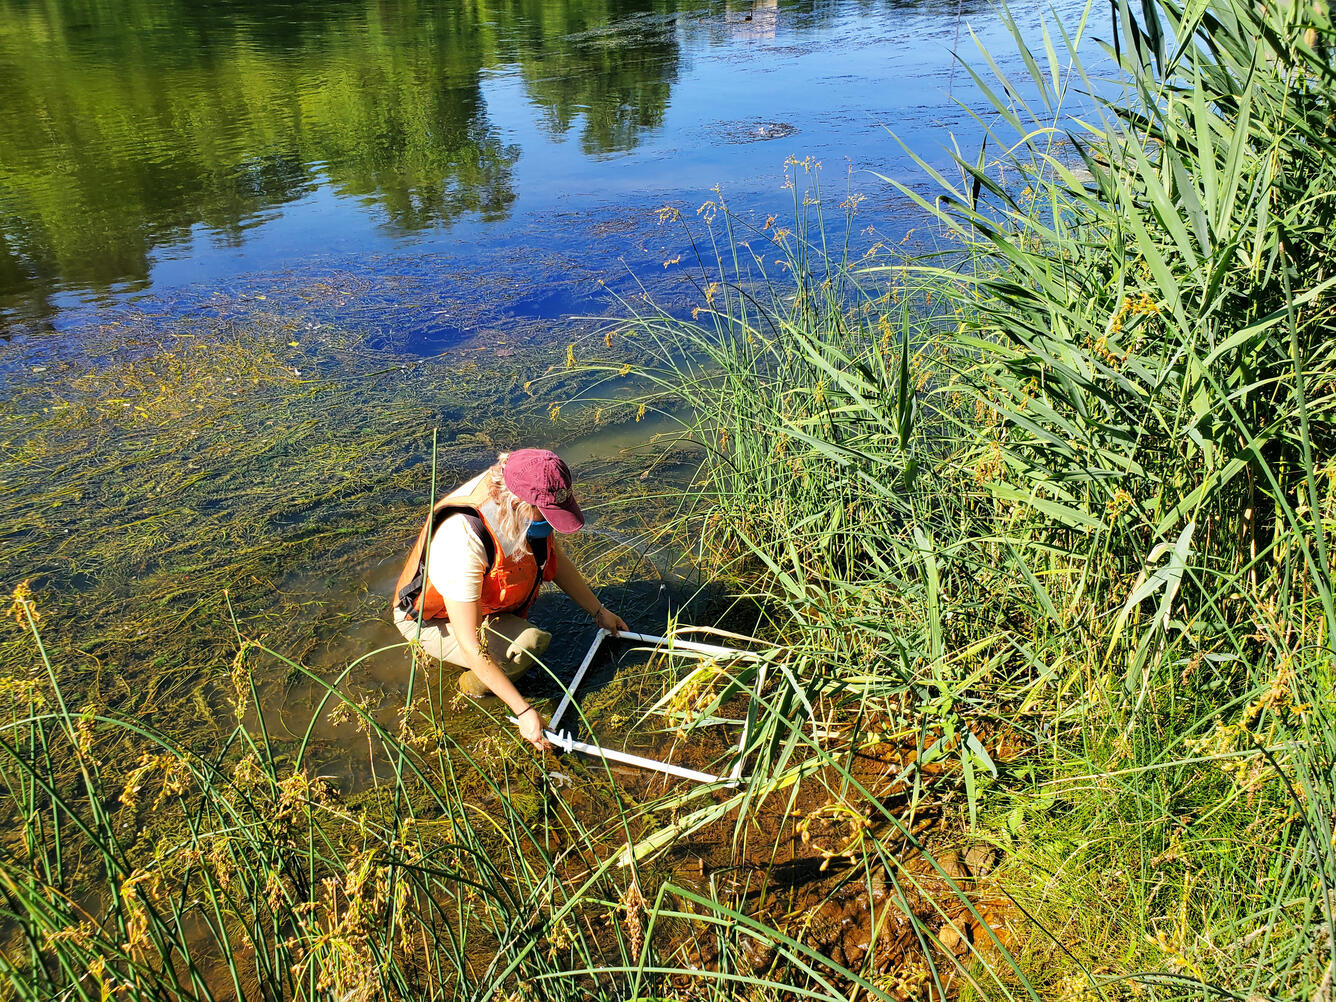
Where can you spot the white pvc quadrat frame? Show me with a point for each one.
(566, 742)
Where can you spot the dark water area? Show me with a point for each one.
(469, 168)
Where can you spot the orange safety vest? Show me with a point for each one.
(510, 583)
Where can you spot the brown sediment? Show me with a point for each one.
(862, 863)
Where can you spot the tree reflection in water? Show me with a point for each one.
(126, 124)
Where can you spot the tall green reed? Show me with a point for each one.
(1070, 476)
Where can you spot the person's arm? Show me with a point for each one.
(572, 582)
(464, 620)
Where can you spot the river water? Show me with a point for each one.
(483, 166)
(229, 230)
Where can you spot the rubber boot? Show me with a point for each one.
(521, 655)
(527, 648)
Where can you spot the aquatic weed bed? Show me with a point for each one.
(146, 475)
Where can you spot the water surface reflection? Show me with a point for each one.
(135, 132)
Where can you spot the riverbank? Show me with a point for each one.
(1052, 508)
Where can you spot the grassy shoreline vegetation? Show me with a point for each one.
(1055, 502)
(1038, 529)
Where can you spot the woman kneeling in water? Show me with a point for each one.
(476, 568)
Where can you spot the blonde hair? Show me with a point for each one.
(515, 513)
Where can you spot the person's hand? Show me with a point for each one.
(609, 620)
(531, 725)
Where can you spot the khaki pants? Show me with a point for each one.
(512, 642)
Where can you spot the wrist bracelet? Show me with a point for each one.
(524, 711)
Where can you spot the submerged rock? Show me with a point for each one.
(754, 132)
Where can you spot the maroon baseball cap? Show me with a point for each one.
(540, 477)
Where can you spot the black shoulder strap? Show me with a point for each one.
(411, 590)
(475, 523)
(540, 550)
